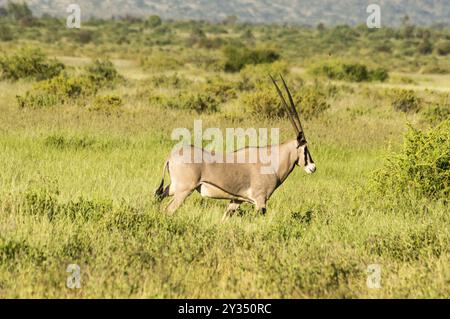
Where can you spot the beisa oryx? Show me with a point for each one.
(238, 181)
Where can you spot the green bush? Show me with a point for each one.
(310, 101)
(6, 33)
(153, 21)
(108, 104)
(436, 114)
(220, 89)
(61, 89)
(199, 102)
(29, 64)
(443, 48)
(174, 81)
(103, 73)
(82, 36)
(237, 57)
(161, 61)
(252, 76)
(353, 72)
(378, 74)
(405, 101)
(422, 167)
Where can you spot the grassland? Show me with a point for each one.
(76, 188)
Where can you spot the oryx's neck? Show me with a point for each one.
(288, 156)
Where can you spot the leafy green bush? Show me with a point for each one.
(29, 64)
(422, 167)
(160, 61)
(252, 76)
(153, 21)
(436, 114)
(103, 73)
(220, 89)
(61, 89)
(174, 81)
(443, 48)
(82, 36)
(405, 101)
(237, 57)
(5, 33)
(310, 102)
(108, 104)
(353, 72)
(198, 102)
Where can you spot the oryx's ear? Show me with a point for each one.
(301, 139)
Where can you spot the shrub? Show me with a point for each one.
(263, 101)
(443, 48)
(160, 62)
(422, 167)
(353, 72)
(29, 64)
(219, 89)
(237, 57)
(252, 76)
(108, 104)
(405, 101)
(153, 21)
(170, 81)
(436, 114)
(58, 90)
(103, 73)
(198, 102)
(5, 33)
(378, 74)
(310, 102)
(83, 36)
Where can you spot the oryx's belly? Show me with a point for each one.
(211, 191)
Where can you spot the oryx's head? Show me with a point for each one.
(304, 156)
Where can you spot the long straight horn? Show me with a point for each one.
(294, 110)
(283, 101)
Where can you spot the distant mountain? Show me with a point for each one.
(311, 12)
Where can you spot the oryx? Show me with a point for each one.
(238, 182)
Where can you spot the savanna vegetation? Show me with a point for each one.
(86, 117)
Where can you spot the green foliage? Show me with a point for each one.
(6, 33)
(310, 101)
(153, 21)
(443, 48)
(29, 64)
(422, 167)
(160, 61)
(405, 101)
(103, 73)
(61, 89)
(82, 36)
(198, 102)
(436, 113)
(109, 104)
(237, 57)
(252, 76)
(353, 72)
(173, 81)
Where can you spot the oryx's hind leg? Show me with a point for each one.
(177, 199)
(260, 205)
(232, 207)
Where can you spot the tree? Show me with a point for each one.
(154, 21)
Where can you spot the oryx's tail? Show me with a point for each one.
(159, 192)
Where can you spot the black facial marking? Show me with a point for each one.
(305, 154)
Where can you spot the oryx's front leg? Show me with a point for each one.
(232, 207)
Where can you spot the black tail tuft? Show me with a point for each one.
(160, 190)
